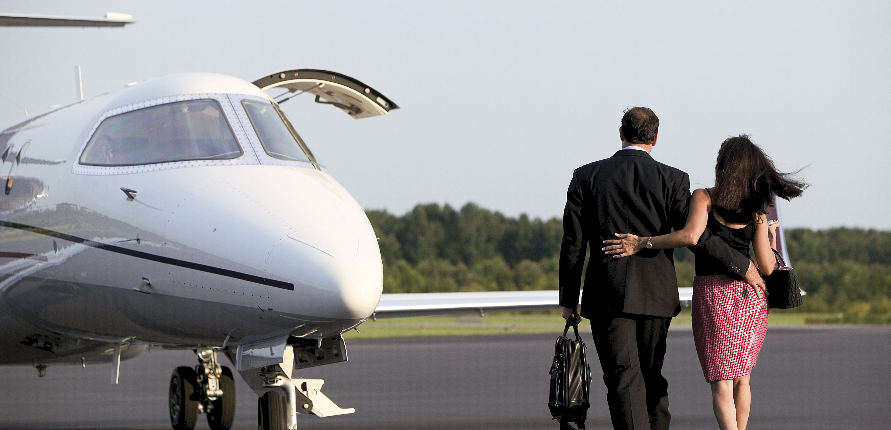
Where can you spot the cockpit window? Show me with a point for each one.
(278, 137)
(180, 131)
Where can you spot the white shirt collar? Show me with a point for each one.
(635, 147)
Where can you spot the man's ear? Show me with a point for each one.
(655, 139)
(621, 134)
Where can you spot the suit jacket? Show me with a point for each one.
(628, 193)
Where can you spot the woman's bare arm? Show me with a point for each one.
(762, 245)
(626, 244)
(772, 227)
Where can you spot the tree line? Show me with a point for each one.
(435, 248)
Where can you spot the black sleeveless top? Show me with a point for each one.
(738, 239)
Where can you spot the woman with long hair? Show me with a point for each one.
(729, 315)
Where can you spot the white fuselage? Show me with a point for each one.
(207, 251)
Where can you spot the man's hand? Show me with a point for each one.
(753, 278)
(567, 312)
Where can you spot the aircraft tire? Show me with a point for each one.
(183, 407)
(222, 415)
(271, 410)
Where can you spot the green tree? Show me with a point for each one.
(837, 244)
(436, 248)
(479, 232)
(421, 238)
(494, 275)
(530, 240)
(528, 275)
(402, 278)
(439, 276)
(386, 227)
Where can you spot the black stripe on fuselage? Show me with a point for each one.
(152, 257)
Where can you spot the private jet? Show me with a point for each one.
(186, 212)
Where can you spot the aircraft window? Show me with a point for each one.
(278, 137)
(181, 131)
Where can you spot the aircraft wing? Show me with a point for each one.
(111, 19)
(686, 296)
(432, 304)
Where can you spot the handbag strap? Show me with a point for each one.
(780, 260)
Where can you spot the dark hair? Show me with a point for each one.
(640, 125)
(746, 180)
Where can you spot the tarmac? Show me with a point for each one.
(810, 377)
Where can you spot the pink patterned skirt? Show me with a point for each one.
(729, 324)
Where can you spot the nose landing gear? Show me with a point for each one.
(208, 388)
(282, 397)
(272, 410)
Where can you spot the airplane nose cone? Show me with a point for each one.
(297, 225)
(336, 270)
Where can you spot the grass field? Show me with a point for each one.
(525, 322)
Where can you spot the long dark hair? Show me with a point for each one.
(746, 180)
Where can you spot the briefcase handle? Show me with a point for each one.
(573, 320)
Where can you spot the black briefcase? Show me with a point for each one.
(570, 379)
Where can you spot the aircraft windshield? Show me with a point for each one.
(276, 134)
(181, 131)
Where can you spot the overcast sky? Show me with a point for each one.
(500, 101)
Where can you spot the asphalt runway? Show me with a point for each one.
(816, 377)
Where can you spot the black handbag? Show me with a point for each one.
(783, 291)
(570, 379)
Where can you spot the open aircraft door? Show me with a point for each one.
(349, 95)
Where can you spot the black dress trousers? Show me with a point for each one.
(631, 349)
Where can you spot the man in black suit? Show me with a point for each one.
(630, 301)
